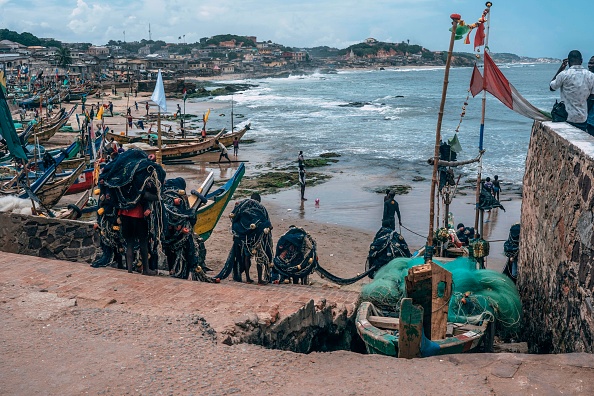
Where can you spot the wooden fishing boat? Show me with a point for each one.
(179, 151)
(421, 328)
(144, 138)
(52, 192)
(43, 133)
(209, 214)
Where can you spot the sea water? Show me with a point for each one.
(392, 127)
(386, 139)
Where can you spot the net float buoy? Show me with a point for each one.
(115, 228)
(177, 201)
(96, 191)
(100, 211)
(252, 226)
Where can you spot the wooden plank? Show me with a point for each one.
(384, 322)
(410, 329)
(418, 288)
(441, 291)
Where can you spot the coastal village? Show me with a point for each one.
(238, 296)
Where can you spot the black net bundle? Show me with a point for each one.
(123, 185)
(296, 257)
(252, 239)
(185, 252)
(511, 249)
(487, 201)
(386, 246)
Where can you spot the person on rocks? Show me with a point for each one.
(223, 149)
(576, 85)
(390, 210)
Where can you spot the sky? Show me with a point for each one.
(535, 28)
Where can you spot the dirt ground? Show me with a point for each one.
(60, 346)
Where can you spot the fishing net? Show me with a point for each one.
(477, 294)
(252, 240)
(185, 253)
(487, 201)
(386, 246)
(122, 185)
(296, 259)
(296, 256)
(511, 249)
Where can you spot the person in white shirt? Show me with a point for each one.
(576, 85)
(223, 151)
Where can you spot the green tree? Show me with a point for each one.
(64, 57)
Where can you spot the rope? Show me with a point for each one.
(416, 233)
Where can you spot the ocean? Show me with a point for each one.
(385, 141)
(394, 130)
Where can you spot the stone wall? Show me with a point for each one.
(50, 238)
(556, 272)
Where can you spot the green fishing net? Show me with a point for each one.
(477, 294)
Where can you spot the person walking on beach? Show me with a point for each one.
(111, 108)
(136, 105)
(130, 121)
(129, 111)
(302, 180)
(576, 85)
(496, 187)
(390, 210)
(235, 147)
(147, 108)
(223, 151)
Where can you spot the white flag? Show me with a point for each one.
(158, 95)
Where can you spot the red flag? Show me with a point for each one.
(496, 83)
(479, 37)
(476, 82)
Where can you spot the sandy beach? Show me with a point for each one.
(348, 215)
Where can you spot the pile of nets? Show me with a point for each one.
(121, 186)
(476, 295)
(252, 240)
(386, 246)
(185, 253)
(296, 256)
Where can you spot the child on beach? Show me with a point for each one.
(496, 187)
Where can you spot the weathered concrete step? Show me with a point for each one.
(291, 317)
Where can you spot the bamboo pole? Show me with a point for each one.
(478, 214)
(429, 244)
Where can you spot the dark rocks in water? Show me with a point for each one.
(399, 96)
(418, 178)
(330, 155)
(399, 189)
(355, 104)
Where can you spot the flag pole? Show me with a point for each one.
(159, 154)
(429, 245)
(479, 213)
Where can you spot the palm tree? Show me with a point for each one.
(64, 57)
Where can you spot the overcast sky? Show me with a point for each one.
(536, 28)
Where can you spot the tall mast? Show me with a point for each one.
(479, 213)
(429, 245)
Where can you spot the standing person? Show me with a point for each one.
(147, 108)
(129, 111)
(111, 108)
(203, 133)
(390, 209)
(178, 113)
(92, 113)
(590, 120)
(576, 85)
(136, 105)
(130, 121)
(235, 146)
(302, 181)
(488, 185)
(496, 187)
(223, 151)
